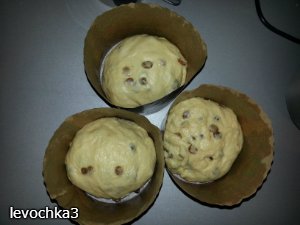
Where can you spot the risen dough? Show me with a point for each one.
(202, 140)
(142, 69)
(110, 158)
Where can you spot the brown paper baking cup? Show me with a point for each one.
(252, 165)
(139, 18)
(92, 212)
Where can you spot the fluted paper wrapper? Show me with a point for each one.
(92, 212)
(139, 18)
(254, 161)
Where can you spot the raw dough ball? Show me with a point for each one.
(202, 140)
(110, 158)
(142, 69)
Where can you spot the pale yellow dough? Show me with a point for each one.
(142, 69)
(202, 140)
(110, 158)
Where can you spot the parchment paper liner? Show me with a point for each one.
(253, 163)
(67, 195)
(139, 18)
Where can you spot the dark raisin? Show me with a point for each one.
(132, 147)
(201, 136)
(129, 81)
(194, 138)
(215, 130)
(85, 170)
(186, 114)
(178, 134)
(126, 70)
(216, 118)
(192, 149)
(210, 158)
(147, 64)
(118, 170)
(143, 80)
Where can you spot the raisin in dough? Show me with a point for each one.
(110, 158)
(142, 69)
(202, 140)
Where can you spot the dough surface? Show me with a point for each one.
(141, 69)
(110, 158)
(202, 140)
